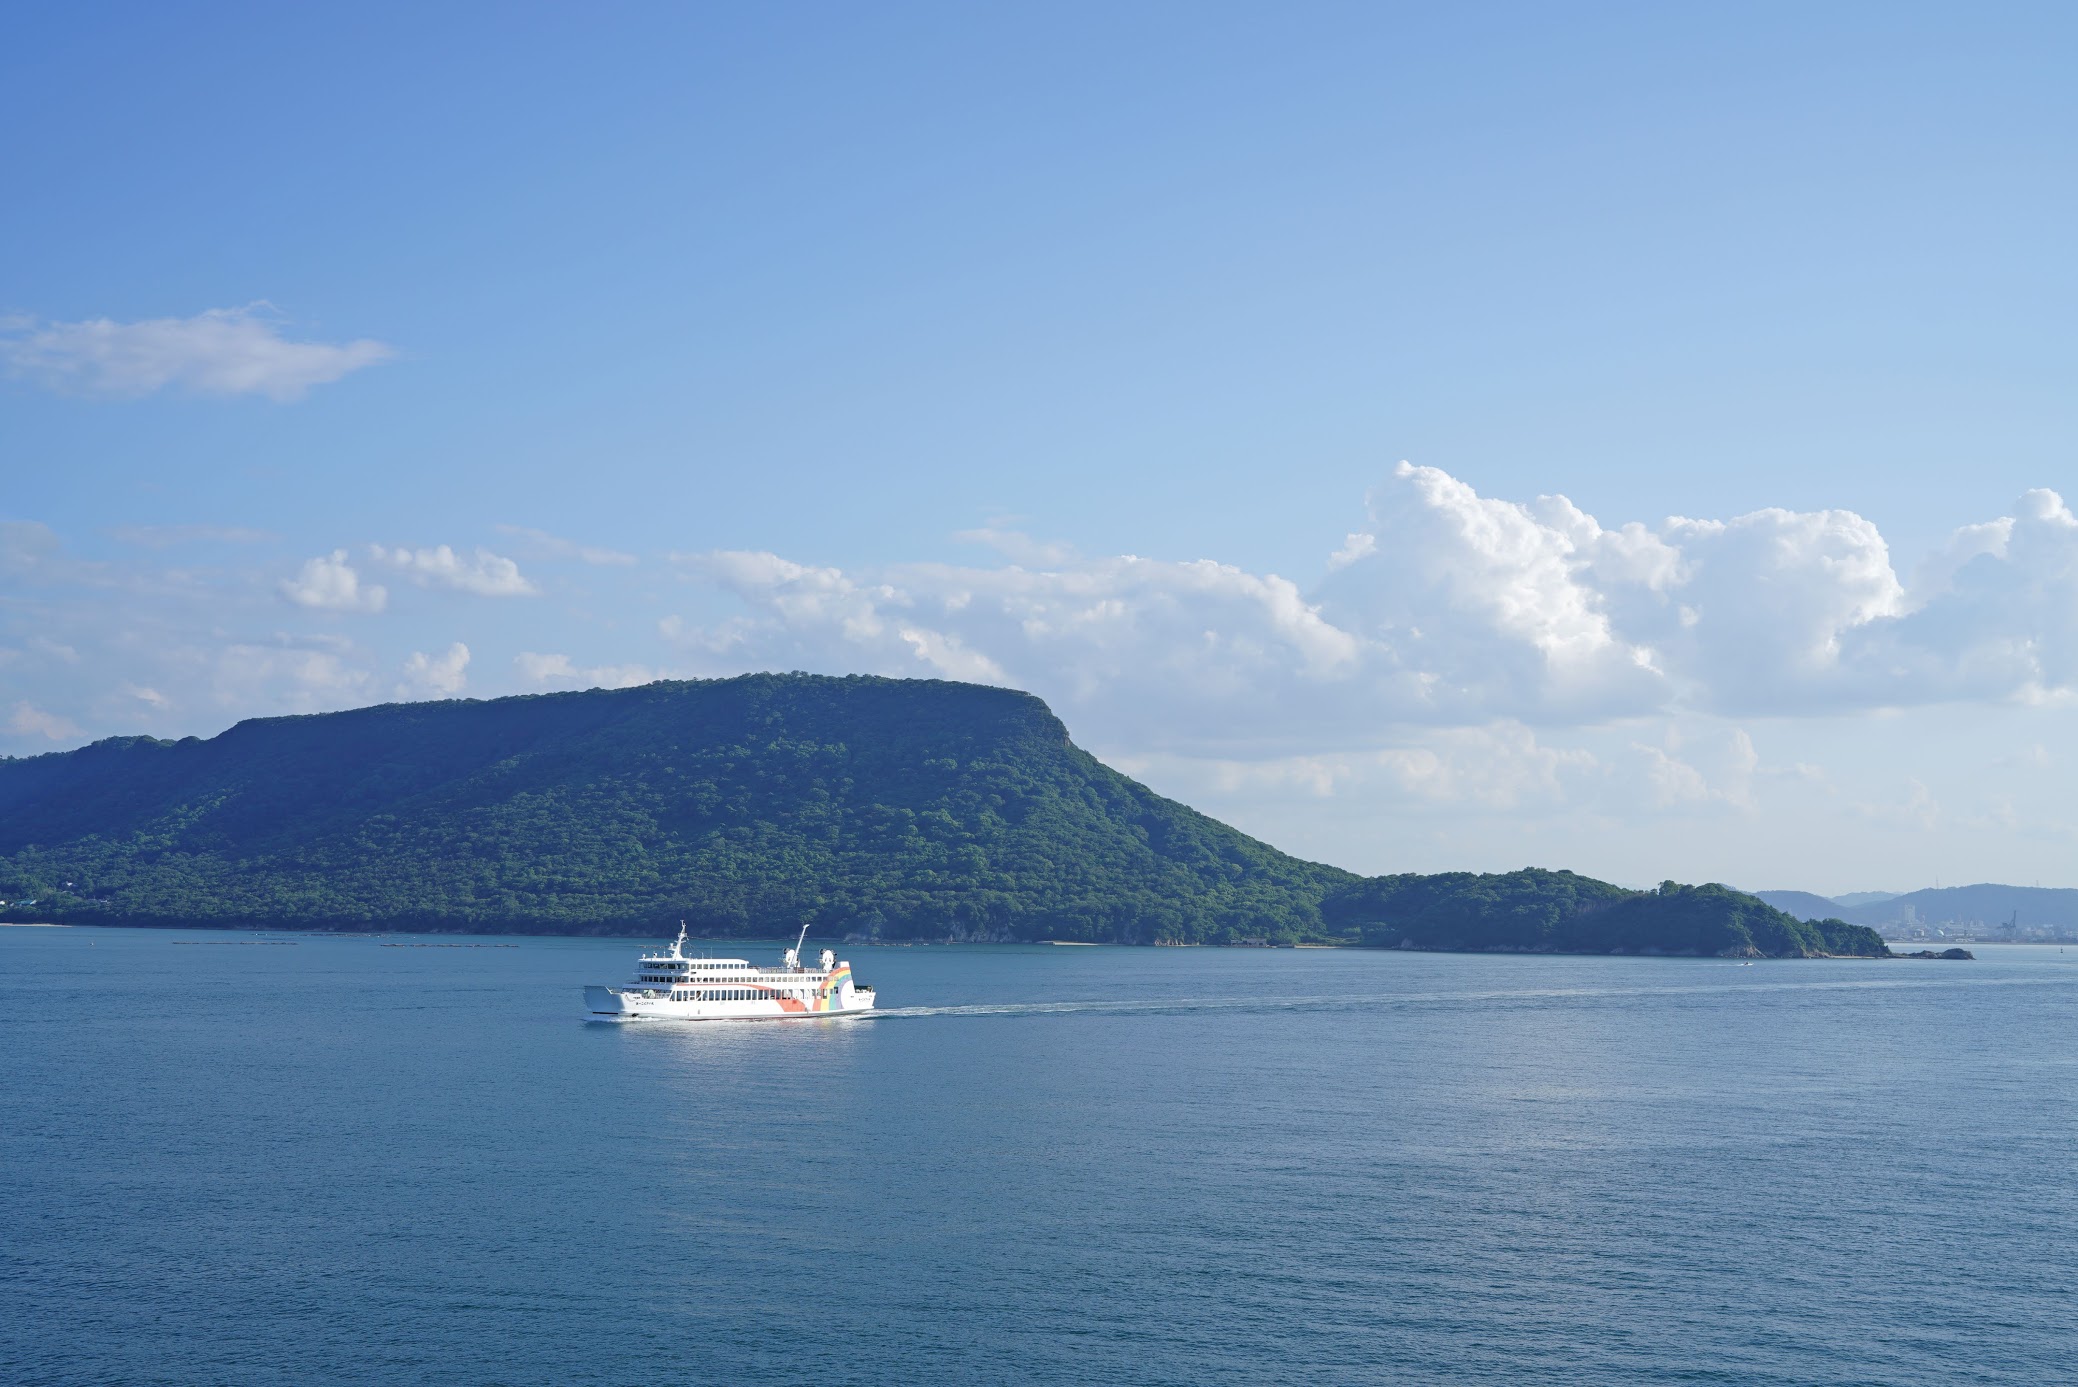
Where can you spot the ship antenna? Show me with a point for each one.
(678, 948)
(804, 937)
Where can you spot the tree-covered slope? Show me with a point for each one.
(889, 808)
(1560, 912)
(903, 808)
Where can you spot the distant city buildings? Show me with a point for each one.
(2007, 931)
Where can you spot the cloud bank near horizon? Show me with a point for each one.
(1464, 680)
(1447, 609)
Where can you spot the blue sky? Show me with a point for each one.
(726, 337)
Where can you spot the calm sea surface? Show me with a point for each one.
(341, 1160)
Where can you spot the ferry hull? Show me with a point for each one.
(672, 987)
(610, 1004)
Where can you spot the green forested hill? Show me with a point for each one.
(1560, 912)
(750, 805)
(880, 807)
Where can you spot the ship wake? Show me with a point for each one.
(1372, 1001)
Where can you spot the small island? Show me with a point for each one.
(1535, 911)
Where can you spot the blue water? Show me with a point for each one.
(336, 1160)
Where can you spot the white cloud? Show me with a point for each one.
(1997, 613)
(543, 545)
(1774, 599)
(1354, 547)
(223, 351)
(144, 693)
(27, 720)
(950, 657)
(444, 674)
(1482, 606)
(1449, 609)
(485, 574)
(329, 583)
(1171, 648)
(542, 669)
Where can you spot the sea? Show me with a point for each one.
(232, 1158)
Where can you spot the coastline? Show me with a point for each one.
(365, 932)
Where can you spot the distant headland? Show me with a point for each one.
(1987, 911)
(874, 808)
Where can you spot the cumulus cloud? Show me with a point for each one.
(444, 674)
(485, 574)
(1998, 613)
(540, 669)
(329, 583)
(223, 351)
(1769, 604)
(1447, 609)
(1482, 604)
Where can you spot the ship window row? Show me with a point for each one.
(707, 964)
(737, 994)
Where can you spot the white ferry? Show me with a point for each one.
(672, 987)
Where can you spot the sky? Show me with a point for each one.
(1631, 438)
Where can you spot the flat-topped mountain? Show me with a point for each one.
(746, 806)
(884, 808)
